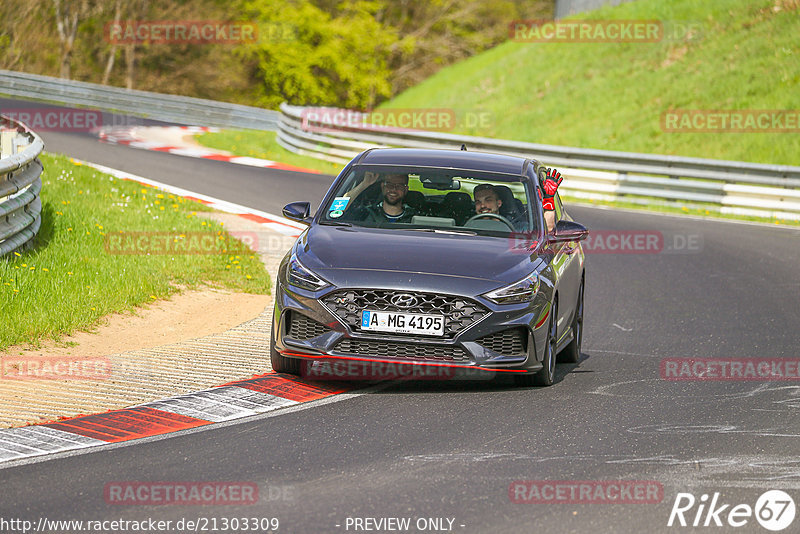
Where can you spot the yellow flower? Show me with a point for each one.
(24, 264)
(69, 273)
(6, 283)
(156, 202)
(236, 262)
(15, 290)
(249, 277)
(161, 208)
(152, 296)
(69, 229)
(33, 268)
(17, 254)
(45, 269)
(144, 191)
(227, 266)
(93, 309)
(159, 195)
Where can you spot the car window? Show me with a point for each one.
(434, 199)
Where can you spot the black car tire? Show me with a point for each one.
(572, 352)
(282, 364)
(546, 375)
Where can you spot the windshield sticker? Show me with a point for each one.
(339, 204)
(335, 214)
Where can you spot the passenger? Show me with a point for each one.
(552, 179)
(392, 207)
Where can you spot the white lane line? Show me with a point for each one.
(276, 222)
(224, 403)
(40, 440)
(102, 445)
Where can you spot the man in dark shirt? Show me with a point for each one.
(392, 207)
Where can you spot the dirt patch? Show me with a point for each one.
(188, 315)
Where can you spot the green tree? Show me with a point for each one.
(308, 56)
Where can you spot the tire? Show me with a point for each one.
(572, 352)
(282, 364)
(547, 374)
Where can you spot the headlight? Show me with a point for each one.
(522, 291)
(298, 275)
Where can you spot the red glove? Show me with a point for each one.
(551, 182)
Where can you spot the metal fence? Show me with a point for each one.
(20, 185)
(167, 108)
(731, 187)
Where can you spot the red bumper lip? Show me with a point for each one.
(324, 356)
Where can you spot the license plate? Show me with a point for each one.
(402, 323)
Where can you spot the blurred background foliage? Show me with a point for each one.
(351, 53)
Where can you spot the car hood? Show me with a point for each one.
(373, 257)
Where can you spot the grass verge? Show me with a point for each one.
(263, 144)
(87, 262)
(612, 95)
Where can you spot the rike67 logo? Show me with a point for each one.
(774, 510)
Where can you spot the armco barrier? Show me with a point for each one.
(167, 108)
(20, 185)
(732, 187)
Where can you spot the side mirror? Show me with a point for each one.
(568, 231)
(298, 212)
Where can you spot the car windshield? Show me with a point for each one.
(441, 200)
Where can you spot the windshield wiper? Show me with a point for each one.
(440, 231)
(334, 223)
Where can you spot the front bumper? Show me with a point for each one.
(503, 339)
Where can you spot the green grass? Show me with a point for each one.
(612, 96)
(68, 280)
(262, 144)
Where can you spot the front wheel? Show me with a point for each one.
(572, 352)
(547, 374)
(282, 364)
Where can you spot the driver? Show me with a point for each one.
(392, 207)
(486, 199)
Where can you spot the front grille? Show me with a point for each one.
(459, 312)
(510, 342)
(302, 327)
(398, 349)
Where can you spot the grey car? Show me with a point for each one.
(396, 266)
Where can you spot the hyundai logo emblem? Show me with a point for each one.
(404, 300)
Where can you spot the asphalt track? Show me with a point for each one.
(452, 450)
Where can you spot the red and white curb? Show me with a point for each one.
(143, 137)
(277, 223)
(236, 400)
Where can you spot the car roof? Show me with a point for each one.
(446, 159)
